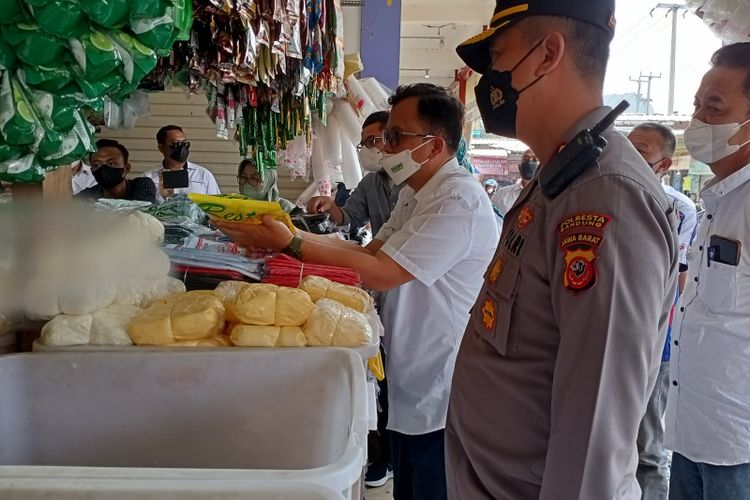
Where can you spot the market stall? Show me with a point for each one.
(157, 284)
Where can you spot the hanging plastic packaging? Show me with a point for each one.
(63, 18)
(18, 124)
(12, 12)
(96, 55)
(34, 46)
(107, 13)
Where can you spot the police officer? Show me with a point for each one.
(560, 355)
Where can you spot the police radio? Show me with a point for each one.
(577, 156)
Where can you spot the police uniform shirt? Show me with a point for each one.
(708, 408)
(562, 351)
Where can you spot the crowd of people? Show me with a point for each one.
(579, 334)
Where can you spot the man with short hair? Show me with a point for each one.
(708, 407)
(505, 197)
(428, 259)
(175, 148)
(110, 167)
(657, 144)
(563, 346)
(375, 196)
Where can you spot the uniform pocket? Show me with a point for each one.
(719, 288)
(493, 312)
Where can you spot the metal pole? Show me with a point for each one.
(673, 59)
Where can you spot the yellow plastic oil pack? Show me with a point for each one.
(238, 208)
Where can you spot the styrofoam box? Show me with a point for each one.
(127, 489)
(205, 418)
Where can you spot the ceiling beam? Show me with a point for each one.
(461, 14)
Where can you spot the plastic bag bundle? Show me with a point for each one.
(60, 59)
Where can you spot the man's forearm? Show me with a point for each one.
(332, 242)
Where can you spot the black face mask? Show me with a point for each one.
(527, 168)
(497, 100)
(108, 177)
(179, 151)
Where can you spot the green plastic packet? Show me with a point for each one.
(62, 17)
(18, 124)
(7, 56)
(98, 88)
(159, 33)
(138, 60)
(183, 19)
(11, 12)
(95, 54)
(74, 145)
(8, 152)
(149, 8)
(48, 79)
(107, 13)
(33, 45)
(25, 169)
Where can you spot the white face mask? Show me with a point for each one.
(401, 166)
(370, 158)
(710, 143)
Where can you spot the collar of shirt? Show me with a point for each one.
(717, 189)
(189, 165)
(431, 187)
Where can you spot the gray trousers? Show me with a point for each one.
(653, 459)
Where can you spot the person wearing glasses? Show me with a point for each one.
(428, 259)
(110, 167)
(175, 148)
(265, 188)
(375, 196)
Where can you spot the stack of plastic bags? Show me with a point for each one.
(61, 58)
(729, 19)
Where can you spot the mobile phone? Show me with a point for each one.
(724, 251)
(175, 179)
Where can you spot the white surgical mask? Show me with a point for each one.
(369, 158)
(710, 143)
(401, 166)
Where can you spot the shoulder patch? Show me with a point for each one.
(581, 235)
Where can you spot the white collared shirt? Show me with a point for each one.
(445, 236)
(688, 219)
(202, 181)
(708, 408)
(83, 180)
(505, 197)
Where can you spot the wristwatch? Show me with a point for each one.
(294, 248)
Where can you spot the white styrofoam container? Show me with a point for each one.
(205, 417)
(127, 489)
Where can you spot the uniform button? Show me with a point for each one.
(676, 342)
(674, 382)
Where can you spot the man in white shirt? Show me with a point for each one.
(708, 407)
(175, 148)
(429, 259)
(505, 197)
(657, 144)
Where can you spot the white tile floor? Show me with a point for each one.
(384, 493)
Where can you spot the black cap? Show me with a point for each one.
(475, 51)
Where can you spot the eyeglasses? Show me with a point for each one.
(370, 142)
(393, 137)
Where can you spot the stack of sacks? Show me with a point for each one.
(192, 319)
(112, 265)
(350, 296)
(263, 315)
